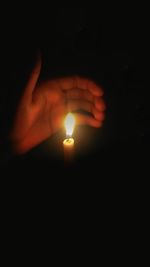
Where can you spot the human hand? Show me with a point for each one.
(42, 108)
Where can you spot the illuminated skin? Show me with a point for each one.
(41, 110)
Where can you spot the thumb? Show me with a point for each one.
(33, 78)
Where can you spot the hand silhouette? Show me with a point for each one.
(42, 108)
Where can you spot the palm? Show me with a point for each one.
(47, 109)
(42, 108)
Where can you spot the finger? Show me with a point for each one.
(99, 103)
(80, 94)
(67, 83)
(80, 83)
(87, 120)
(33, 78)
(98, 114)
(89, 85)
(74, 105)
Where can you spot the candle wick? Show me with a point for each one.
(68, 136)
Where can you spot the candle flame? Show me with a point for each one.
(69, 124)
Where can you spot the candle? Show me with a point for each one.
(68, 143)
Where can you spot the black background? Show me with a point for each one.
(105, 192)
(107, 45)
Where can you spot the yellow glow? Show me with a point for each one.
(69, 124)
